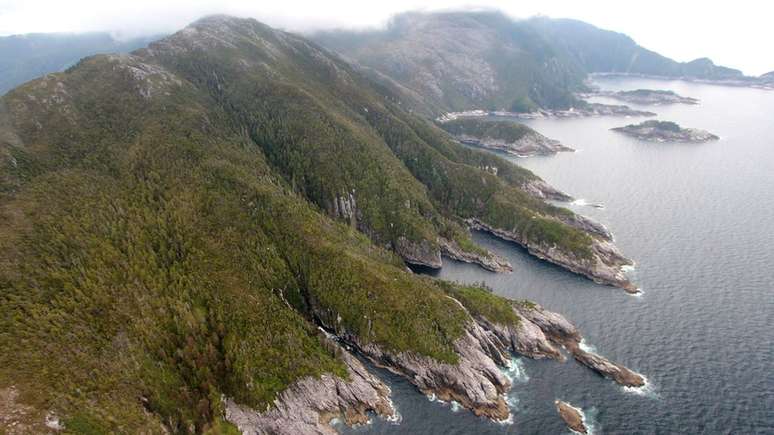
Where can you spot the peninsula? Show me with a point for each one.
(648, 97)
(509, 137)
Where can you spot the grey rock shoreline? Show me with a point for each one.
(531, 144)
(589, 109)
(605, 266)
(477, 382)
(488, 260)
(309, 405)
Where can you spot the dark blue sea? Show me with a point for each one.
(699, 222)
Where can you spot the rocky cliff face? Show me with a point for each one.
(421, 253)
(308, 406)
(476, 381)
(486, 259)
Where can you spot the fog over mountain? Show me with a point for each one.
(717, 32)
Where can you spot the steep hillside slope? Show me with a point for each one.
(457, 61)
(463, 60)
(178, 224)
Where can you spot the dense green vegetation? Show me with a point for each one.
(166, 234)
(507, 131)
(658, 125)
(481, 302)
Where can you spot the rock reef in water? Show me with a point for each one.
(572, 416)
(665, 131)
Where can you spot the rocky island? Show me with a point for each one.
(665, 131)
(572, 416)
(509, 137)
(648, 97)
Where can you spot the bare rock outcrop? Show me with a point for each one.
(542, 190)
(562, 332)
(585, 224)
(572, 416)
(488, 260)
(530, 144)
(308, 405)
(422, 253)
(475, 382)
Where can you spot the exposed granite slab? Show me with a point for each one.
(308, 406)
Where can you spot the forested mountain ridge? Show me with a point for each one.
(459, 61)
(463, 60)
(602, 51)
(177, 224)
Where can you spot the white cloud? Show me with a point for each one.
(735, 33)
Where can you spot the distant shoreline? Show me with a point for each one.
(747, 82)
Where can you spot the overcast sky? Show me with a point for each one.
(735, 33)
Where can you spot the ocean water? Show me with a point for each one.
(699, 222)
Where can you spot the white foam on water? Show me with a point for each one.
(516, 372)
(395, 418)
(431, 397)
(648, 390)
(587, 347)
(455, 406)
(507, 422)
(580, 201)
(590, 420)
